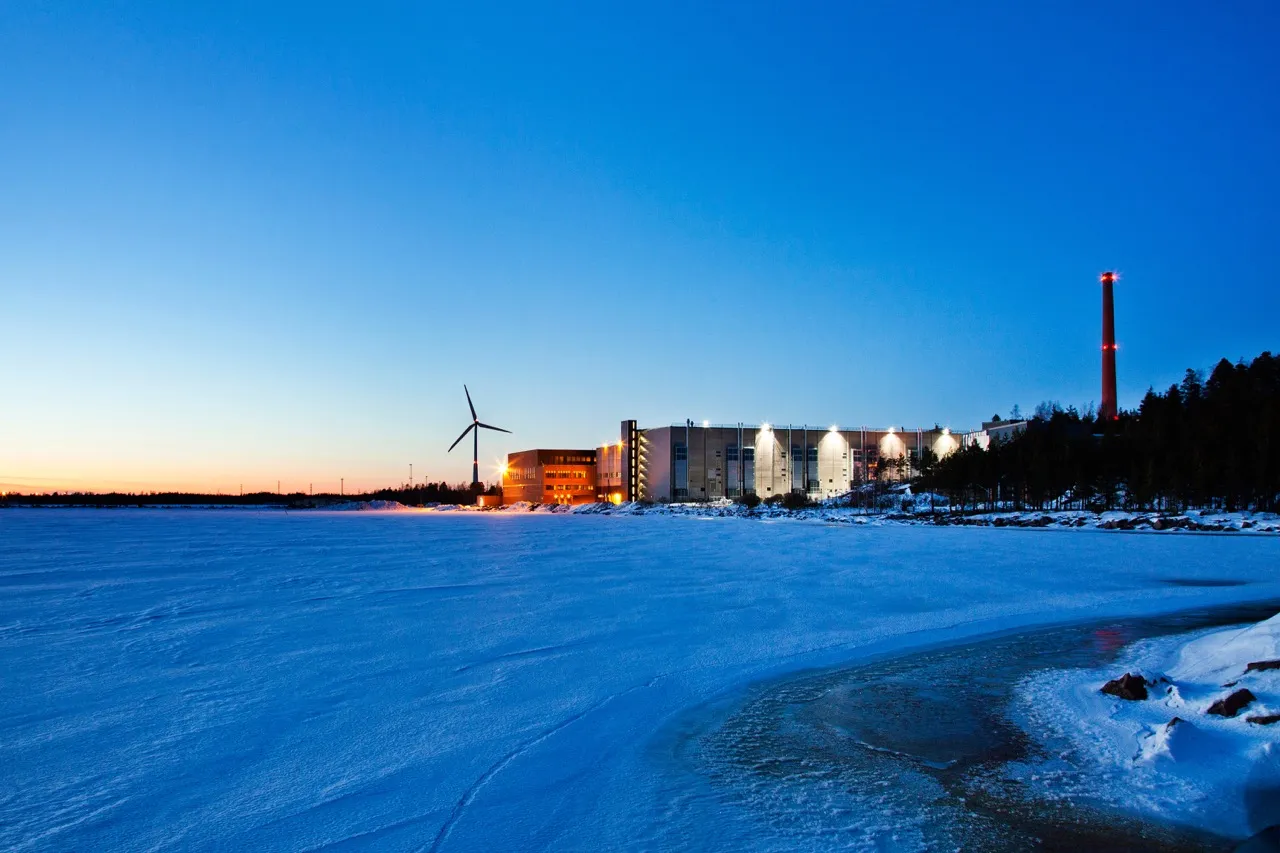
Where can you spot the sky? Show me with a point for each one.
(243, 243)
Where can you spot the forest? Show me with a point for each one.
(1208, 443)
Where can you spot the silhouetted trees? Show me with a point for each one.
(425, 493)
(1201, 443)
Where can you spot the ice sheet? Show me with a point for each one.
(212, 679)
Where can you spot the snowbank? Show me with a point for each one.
(1184, 754)
(366, 506)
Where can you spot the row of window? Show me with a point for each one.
(871, 454)
(571, 460)
(565, 487)
(804, 468)
(565, 475)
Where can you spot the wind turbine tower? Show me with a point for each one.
(474, 429)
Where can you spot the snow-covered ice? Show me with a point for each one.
(194, 680)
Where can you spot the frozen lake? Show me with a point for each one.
(198, 680)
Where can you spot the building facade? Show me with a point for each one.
(704, 463)
(550, 477)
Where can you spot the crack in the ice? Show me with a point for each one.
(469, 796)
(516, 655)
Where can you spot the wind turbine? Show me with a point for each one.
(474, 429)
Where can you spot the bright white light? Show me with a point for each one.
(946, 430)
(834, 428)
(765, 427)
(892, 430)
(706, 424)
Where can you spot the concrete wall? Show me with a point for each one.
(610, 472)
(833, 464)
(655, 464)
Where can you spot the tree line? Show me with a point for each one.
(1204, 443)
(416, 495)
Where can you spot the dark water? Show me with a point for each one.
(907, 752)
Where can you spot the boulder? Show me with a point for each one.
(1263, 719)
(1231, 705)
(1127, 686)
(1262, 665)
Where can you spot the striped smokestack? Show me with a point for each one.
(1108, 409)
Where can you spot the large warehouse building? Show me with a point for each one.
(704, 462)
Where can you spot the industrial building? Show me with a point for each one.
(705, 462)
(550, 477)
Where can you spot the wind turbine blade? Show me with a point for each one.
(474, 416)
(459, 438)
(494, 428)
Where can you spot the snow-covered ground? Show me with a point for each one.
(191, 680)
(918, 510)
(1168, 755)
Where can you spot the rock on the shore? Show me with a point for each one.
(1231, 705)
(1262, 666)
(1127, 686)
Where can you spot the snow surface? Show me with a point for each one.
(1217, 773)
(187, 680)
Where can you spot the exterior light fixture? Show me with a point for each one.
(834, 428)
(946, 430)
(706, 424)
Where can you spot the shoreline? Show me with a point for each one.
(845, 726)
(1124, 521)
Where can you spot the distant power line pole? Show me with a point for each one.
(277, 487)
(411, 475)
(342, 486)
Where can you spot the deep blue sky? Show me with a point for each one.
(241, 244)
